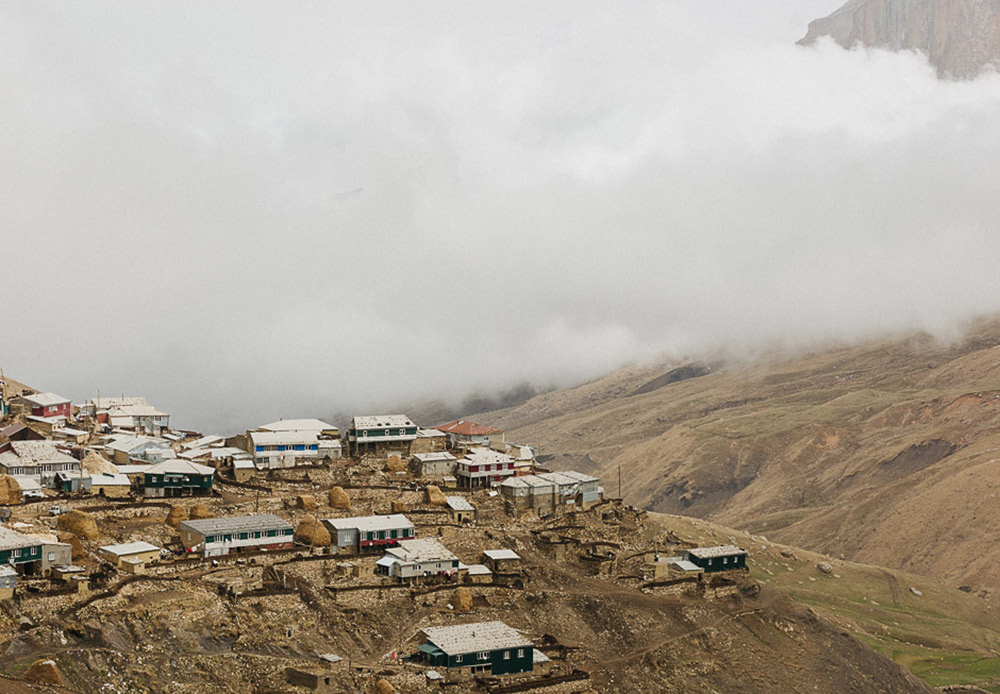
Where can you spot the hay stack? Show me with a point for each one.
(394, 463)
(74, 542)
(306, 502)
(200, 511)
(44, 671)
(400, 507)
(176, 515)
(97, 465)
(383, 687)
(461, 599)
(79, 523)
(10, 490)
(339, 498)
(312, 532)
(435, 497)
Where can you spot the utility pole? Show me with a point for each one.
(619, 481)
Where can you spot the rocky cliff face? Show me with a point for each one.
(960, 37)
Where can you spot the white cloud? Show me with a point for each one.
(265, 211)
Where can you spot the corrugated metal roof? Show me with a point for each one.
(371, 523)
(381, 420)
(501, 554)
(178, 467)
(298, 425)
(45, 399)
(458, 503)
(127, 548)
(425, 549)
(473, 638)
(719, 551)
(264, 521)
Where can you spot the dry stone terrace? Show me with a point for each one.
(277, 609)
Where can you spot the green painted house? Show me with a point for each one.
(177, 478)
(490, 648)
(16, 548)
(721, 558)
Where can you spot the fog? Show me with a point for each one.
(260, 210)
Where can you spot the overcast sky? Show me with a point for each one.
(252, 210)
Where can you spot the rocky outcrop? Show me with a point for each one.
(960, 37)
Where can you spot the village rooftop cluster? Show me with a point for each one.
(63, 465)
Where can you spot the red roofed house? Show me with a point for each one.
(461, 431)
(44, 404)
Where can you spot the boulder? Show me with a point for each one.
(311, 532)
(461, 599)
(306, 502)
(825, 567)
(176, 515)
(435, 497)
(200, 511)
(74, 542)
(10, 490)
(79, 523)
(44, 671)
(339, 498)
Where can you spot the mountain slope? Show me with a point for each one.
(960, 37)
(884, 452)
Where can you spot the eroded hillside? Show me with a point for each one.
(885, 452)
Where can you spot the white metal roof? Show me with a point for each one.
(243, 464)
(459, 503)
(682, 564)
(298, 425)
(177, 466)
(486, 456)
(719, 551)
(381, 420)
(473, 638)
(103, 479)
(128, 548)
(211, 526)
(202, 442)
(283, 438)
(371, 523)
(34, 452)
(7, 571)
(478, 570)
(45, 399)
(501, 554)
(422, 550)
(430, 433)
(431, 457)
(11, 539)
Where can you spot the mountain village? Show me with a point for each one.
(104, 501)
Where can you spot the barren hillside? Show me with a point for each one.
(884, 452)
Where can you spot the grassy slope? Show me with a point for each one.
(944, 636)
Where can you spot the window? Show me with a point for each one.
(394, 534)
(52, 556)
(244, 536)
(506, 655)
(483, 656)
(259, 449)
(281, 448)
(458, 659)
(370, 536)
(300, 446)
(381, 534)
(364, 434)
(520, 652)
(15, 553)
(314, 447)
